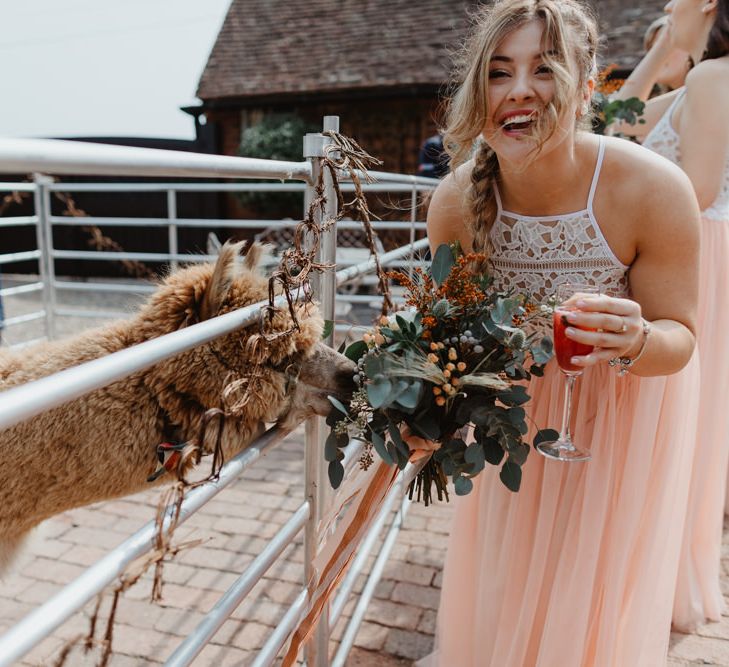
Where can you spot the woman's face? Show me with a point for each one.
(521, 86)
(688, 22)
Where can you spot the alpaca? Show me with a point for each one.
(104, 444)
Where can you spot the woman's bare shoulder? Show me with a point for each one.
(447, 209)
(634, 170)
(707, 70)
(647, 187)
(708, 83)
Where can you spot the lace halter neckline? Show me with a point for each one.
(664, 140)
(535, 254)
(590, 197)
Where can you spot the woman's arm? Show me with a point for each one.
(446, 212)
(640, 83)
(704, 129)
(660, 202)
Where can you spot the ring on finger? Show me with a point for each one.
(623, 328)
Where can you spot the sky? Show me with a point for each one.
(103, 67)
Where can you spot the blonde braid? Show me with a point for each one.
(482, 198)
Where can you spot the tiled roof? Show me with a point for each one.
(278, 47)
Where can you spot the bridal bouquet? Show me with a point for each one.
(455, 358)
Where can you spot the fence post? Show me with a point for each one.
(173, 245)
(44, 239)
(413, 218)
(324, 287)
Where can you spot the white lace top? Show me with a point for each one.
(664, 140)
(535, 254)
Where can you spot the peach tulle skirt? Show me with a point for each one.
(578, 569)
(698, 592)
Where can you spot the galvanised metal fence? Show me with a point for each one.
(85, 157)
(23, 402)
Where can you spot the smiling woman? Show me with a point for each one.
(578, 569)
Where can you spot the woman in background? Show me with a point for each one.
(690, 127)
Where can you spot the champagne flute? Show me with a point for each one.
(565, 348)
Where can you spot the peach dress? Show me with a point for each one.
(698, 592)
(578, 568)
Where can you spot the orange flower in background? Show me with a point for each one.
(604, 84)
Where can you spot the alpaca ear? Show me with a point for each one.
(221, 280)
(255, 254)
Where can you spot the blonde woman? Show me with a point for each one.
(578, 568)
(691, 128)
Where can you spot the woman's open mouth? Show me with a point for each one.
(518, 124)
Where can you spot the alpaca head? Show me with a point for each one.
(298, 371)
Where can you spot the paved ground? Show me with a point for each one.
(399, 624)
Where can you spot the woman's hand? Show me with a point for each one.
(663, 43)
(617, 328)
(419, 447)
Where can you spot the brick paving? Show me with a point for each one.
(398, 626)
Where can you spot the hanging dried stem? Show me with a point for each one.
(169, 506)
(342, 156)
(346, 155)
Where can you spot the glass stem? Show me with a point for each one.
(566, 435)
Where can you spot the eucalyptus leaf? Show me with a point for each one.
(408, 399)
(328, 329)
(474, 456)
(463, 486)
(516, 415)
(537, 370)
(333, 417)
(483, 415)
(378, 392)
(378, 442)
(493, 451)
(448, 465)
(543, 351)
(426, 425)
(443, 262)
(515, 395)
(331, 447)
(545, 435)
(404, 326)
(355, 351)
(397, 456)
(467, 406)
(397, 440)
(338, 405)
(336, 474)
(519, 454)
(374, 365)
(510, 475)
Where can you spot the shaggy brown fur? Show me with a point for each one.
(103, 445)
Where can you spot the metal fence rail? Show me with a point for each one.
(43, 187)
(37, 254)
(25, 401)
